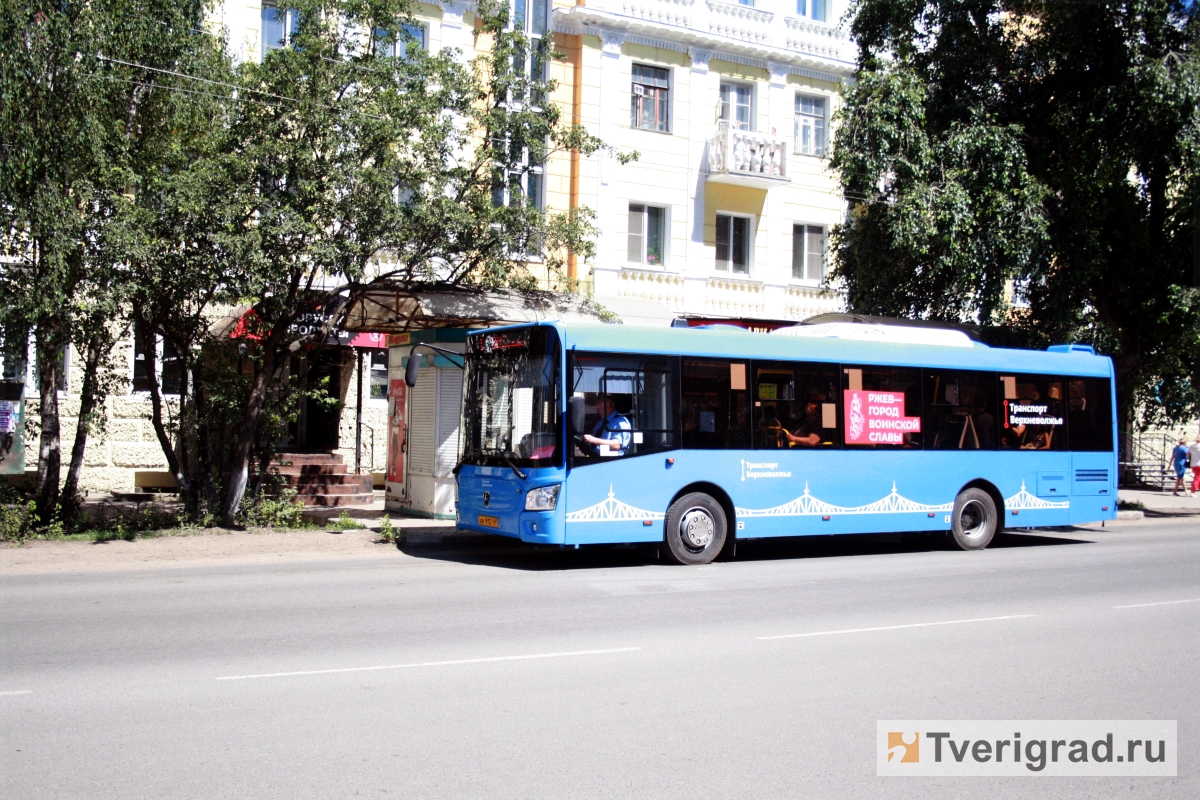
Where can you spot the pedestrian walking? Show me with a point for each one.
(1179, 461)
(1194, 458)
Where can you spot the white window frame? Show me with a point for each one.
(753, 110)
(645, 237)
(289, 14)
(819, 151)
(670, 90)
(807, 9)
(750, 233)
(393, 49)
(807, 281)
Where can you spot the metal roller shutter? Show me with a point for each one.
(422, 422)
(449, 411)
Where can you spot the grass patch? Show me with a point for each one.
(344, 522)
(1130, 505)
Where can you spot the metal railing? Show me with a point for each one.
(1145, 460)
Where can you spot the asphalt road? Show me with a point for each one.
(496, 673)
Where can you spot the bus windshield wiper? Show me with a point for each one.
(505, 455)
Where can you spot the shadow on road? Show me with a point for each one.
(507, 554)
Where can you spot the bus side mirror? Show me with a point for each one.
(410, 371)
(575, 413)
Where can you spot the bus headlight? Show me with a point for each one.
(543, 498)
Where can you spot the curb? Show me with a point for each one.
(1131, 515)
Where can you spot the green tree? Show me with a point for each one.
(1051, 147)
(329, 152)
(70, 111)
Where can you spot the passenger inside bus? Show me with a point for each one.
(772, 434)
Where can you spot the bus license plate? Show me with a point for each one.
(489, 522)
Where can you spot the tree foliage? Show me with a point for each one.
(328, 154)
(1046, 147)
(71, 111)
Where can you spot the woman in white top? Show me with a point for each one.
(1194, 455)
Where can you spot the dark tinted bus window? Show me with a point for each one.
(716, 404)
(960, 410)
(628, 401)
(881, 407)
(1032, 413)
(1090, 414)
(795, 405)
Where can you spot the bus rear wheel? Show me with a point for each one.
(974, 521)
(696, 529)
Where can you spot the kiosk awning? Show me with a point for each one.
(395, 309)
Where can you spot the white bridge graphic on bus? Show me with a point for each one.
(613, 510)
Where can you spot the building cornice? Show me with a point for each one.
(741, 34)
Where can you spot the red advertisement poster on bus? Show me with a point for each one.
(877, 418)
(395, 464)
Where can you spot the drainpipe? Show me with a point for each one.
(576, 119)
(358, 418)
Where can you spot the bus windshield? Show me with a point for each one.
(510, 414)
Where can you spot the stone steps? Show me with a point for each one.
(322, 479)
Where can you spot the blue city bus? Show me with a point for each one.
(695, 438)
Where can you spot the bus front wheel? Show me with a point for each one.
(974, 521)
(696, 529)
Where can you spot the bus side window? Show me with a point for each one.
(795, 405)
(881, 407)
(716, 405)
(1090, 415)
(960, 410)
(1032, 412)
(640, 390)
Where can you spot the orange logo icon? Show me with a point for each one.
(904, 747)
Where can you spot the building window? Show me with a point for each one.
(816, 10)
(733, 243)
(647, 234)
(14, 346)
(155, 355)
(808, 252)
(413, 37)
(379, 375)
(529, 17)
(810, 125)
(279, 26)
(736, 100)
(649, 98)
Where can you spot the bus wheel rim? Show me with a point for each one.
(973, 519)
(697, 528)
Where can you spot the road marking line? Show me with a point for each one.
(11, 694)
(1163, 603)
(898, 627)
(431, 664)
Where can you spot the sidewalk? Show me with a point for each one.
(1162, 503)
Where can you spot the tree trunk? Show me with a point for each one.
(48, 347)
(89, 399)
(239, 461)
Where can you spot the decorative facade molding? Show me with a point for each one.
(734, 297)
(802, 302)
(779, 74)
(700, 58)
(739, 33)
(453, 13)
(662, 287)
(611, 43)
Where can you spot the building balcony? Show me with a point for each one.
(747, 158)
(719, 25)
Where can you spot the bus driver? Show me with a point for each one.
(612, 430)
